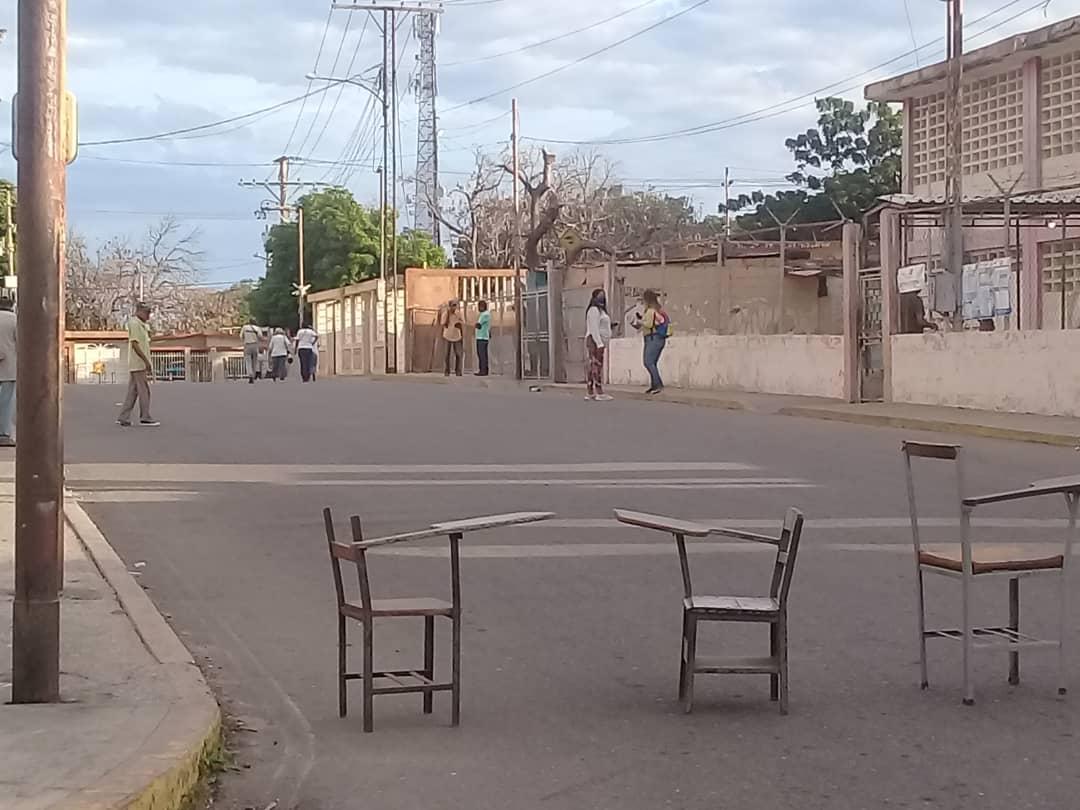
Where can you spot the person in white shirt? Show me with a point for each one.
(597, 339)
(307, 344)
(251, 338)
(279, 354)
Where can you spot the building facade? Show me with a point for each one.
(1020, 129)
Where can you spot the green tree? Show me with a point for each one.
(850, 159)
(7, 191)
(341, 246)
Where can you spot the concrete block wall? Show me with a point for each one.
(804, 365)
(1013, 371)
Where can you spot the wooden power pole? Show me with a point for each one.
(519, 314)
(42, 148)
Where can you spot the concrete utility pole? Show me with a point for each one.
(393, 192)
(39, 456)
(301, 289)
(280, 190)
(283, 186)
(954, 180)
(516, 165)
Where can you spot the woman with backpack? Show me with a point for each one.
(655, 325)
(597, 337)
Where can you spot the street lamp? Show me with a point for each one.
(356, 81)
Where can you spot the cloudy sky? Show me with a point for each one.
(750, 66)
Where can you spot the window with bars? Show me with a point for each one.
(992, 122)
(1060, 104)
(1060, 265)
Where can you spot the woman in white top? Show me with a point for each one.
(597, 338)
(279, 354)
(307, 342)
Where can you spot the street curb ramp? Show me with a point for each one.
(171, 763)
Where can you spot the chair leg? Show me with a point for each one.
(969, 688)
(782, 645)
(455, 692)
(429, 659)
(925, 680)
(683, 642)
(691, 663)
(774, 654)
(1014, 625)
(369, 676)
(1063, 629)
(342, 644)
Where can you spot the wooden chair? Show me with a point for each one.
(968, 564)
(771, 609)
(404, 681)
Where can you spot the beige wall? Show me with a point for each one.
(741, 297)
(807, 365)
(1021, 372)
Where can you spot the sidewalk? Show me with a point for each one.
(1061, 431)
(137, 723)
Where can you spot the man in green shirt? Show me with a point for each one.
(140, 370)
(483, 337)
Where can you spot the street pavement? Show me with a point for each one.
(571, 629)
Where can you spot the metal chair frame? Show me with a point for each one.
(967, 569)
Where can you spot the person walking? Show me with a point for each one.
(7, 373)
(483, 339)
(597, 339)
(307, 343)
(279, 355)
(655, 325)
(140, 369)
(251, 338)
(454, 335)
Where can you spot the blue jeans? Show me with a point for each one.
(654, 347)
(7, 408)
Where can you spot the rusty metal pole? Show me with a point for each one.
(519, 314)
(39, 457)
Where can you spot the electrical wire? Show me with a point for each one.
(550, 40)
(782, 107)
(911, 28)
(322, 99)
(341, 88)
(579, 60)
(315, 69)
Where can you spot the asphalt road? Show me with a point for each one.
(571, 628)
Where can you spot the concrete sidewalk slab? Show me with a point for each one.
(137, 724)
(1060, 431)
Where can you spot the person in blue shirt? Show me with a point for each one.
(483, 337)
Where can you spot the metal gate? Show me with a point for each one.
(535, 335)
(871, 348)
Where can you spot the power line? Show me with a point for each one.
(550, 40)
(245, 117)
(780, 108)
(579, 60)
(322, 99)
(318, 56)
(911, 28)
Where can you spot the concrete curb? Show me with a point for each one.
(934, 426)
(173, 761)
(670, 396)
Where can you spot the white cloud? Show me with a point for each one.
(141, 68)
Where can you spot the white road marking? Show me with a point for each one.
(853, 523)
(568, 550)
(269, 473)
(605, 483)
(135, 496)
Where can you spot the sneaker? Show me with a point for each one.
(589, 398)
(604, 398)
(655, 391)
(149, 423)
(122, 423)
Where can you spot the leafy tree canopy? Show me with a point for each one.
(341, 246)
(852, 157)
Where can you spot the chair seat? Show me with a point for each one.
(991, 559)
(733, 605)
(401, 607)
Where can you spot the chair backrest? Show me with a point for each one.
(934, 452)
(350, 553)
(787, 549)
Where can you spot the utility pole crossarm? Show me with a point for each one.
(414, 7)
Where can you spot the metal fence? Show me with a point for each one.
(168, 364)
(235, 367)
